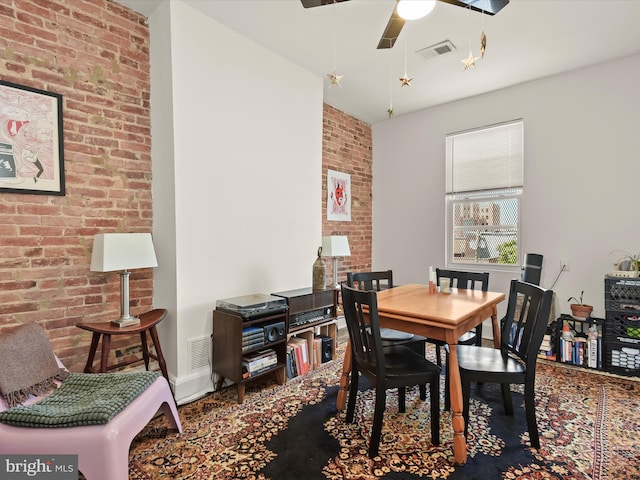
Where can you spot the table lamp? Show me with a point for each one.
(123, 251)
(335, 246)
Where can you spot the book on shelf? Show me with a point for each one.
(252, 373)
(302, 354)
(259, 359)
(250, 346)
(290, 362)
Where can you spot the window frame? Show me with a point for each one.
(454, 194)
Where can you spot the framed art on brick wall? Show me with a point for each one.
(31, 145)
(338, 196)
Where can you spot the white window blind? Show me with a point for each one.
(485, 159)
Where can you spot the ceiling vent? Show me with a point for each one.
(436, 50)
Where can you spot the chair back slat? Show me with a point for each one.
(370, 280)
(466, 280)
(526, 320)
(361, 316)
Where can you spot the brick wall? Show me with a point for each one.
(346, 148)
(96, 55)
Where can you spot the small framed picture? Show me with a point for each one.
(338, 196)
(31, 142)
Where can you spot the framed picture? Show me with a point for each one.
(338, 196)
(31, 147)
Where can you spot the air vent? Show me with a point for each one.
(198, 352)
(436, 50)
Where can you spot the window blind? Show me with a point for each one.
(485, 159)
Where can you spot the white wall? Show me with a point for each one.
(237, 155)
(582, 170)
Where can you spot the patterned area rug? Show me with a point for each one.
(589, 425)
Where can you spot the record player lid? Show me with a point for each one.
(253, 306)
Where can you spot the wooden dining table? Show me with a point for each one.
(441, 316)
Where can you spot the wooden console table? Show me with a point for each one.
(148, 322)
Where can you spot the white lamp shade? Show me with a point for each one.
(414, 9)
(122, 251)
(335, 246)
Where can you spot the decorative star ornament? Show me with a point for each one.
(405, 81)
(334, 78)
(470, 61)
(483, 43)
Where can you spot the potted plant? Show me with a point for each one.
(578, 308)
(627, 265)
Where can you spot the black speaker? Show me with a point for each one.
(532, 268)
(274, 332)
(327, 348)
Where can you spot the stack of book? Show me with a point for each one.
(546, 349)
(258, 362)
(252, 337)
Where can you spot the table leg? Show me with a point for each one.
(95, 338)
(145, 349)
(496, 328)
(104, 357)
(156, 344)
(341, 399)
(455, 389)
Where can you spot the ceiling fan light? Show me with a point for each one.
(414, 9)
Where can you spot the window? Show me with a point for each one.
(484, 175)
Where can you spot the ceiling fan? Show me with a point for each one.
(396, 22)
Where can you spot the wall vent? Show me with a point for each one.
(198, 352)
(438, 49)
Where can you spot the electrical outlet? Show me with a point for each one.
(564, 264)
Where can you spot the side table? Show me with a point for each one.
(148, 322)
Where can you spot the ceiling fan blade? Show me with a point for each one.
(319, 3)
(391, 31)
(490, 7)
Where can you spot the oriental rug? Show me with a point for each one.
(589, 426)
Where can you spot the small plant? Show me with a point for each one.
(579, 309)
(628, 261)
(576, 301)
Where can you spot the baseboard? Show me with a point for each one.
(192, 387)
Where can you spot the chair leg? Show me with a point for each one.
(530, 410)
(353, 393)
(466, 394)
(402, 399)
(423, 392)
(434, 391)
(479, 335)
(506, 398)
(376, 428)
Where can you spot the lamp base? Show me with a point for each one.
(126, 321)
(336, 285)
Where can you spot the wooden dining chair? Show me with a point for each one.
(382, 280)
(515, 361)
(465, 280)
(386, 367)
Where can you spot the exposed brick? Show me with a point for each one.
(76, 48)
(346, 148)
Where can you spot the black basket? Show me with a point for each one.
(622, 327)
(622, 293)
(623, 359)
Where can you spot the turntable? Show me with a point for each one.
(250, 307)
